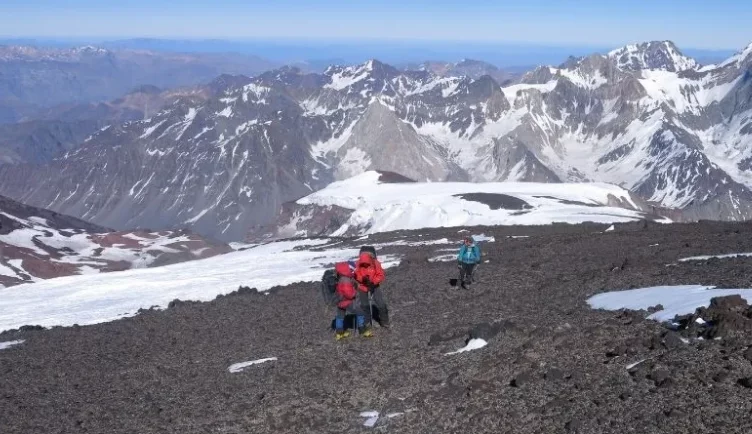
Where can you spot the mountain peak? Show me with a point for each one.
(661, 55)
(345, 77)
(740, 56)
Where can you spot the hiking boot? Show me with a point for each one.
(341, 334)
(366, 332)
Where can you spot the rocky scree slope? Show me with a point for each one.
(551, 363)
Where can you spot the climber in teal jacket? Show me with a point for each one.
(467, 259)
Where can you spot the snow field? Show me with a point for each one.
(97, 298)
(384, 207)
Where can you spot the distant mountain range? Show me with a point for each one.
(34, 78)
(644, 117)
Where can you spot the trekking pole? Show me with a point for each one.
(370, 306)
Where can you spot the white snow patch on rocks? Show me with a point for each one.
(676, 300)
(706, 257)
(8, 344)
(373, 417)
(472, 344)
(238, 367)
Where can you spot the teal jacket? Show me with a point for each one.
(469, 254)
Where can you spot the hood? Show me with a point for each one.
(365, 258)
(343, 269)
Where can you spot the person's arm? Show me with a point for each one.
(477, 254)
(459, 255)
(378, 275)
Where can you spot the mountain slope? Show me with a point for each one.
(64, 127)
(466, 68)
(38, 244)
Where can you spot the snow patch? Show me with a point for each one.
(8, 344)
(372, 418)
(238, 367)
(472, 344)
(676, 300)
(706, 257)
(347, 77)
(226, 113)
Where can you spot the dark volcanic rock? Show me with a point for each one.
(673, 340)
(496, 200)
(745, 382)
(166, 371)
(660, 376)
(521, 379)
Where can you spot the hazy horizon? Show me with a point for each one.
(720, 25)
(326, 50)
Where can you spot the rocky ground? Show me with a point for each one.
(552, 364)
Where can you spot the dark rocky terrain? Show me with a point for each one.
(552, 365)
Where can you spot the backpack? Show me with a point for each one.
(329, 287)
(369, 249)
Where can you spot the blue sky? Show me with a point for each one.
(717, 24)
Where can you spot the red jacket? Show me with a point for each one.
(370, 267)
(345, 285)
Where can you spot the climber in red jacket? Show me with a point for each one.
(347, 302)
(370, 275)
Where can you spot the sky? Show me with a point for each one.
(718, 24)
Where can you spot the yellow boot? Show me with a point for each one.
(341, 334)
(366, 332)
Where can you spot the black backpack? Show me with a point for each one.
(369, 249)
(329, 288)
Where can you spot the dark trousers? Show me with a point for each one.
(466, 273)
(377, 295)
(353, 309)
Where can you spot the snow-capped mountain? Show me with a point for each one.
(662, 55)
(466, 68)
(382, 202)
(38, 244)
(644, 117)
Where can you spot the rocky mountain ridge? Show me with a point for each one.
(644, 117)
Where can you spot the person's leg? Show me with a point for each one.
(379, 299)
(365, 306)
(339, 324)
(360, 320)
(469, 272)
